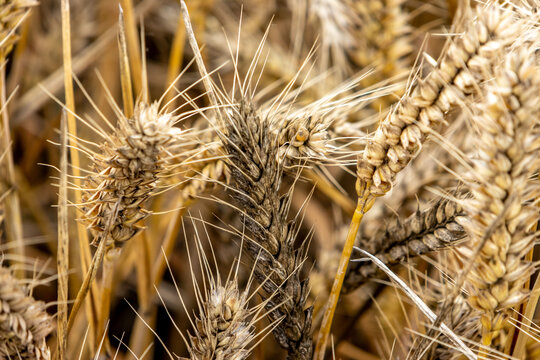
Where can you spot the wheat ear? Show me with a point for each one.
(425, 231)
(126, 173)
(12, 13)
(223, 328)
(24, 323)
(382, 39)
(508, 156)
(256, 171)
(400, 136)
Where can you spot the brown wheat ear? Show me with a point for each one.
(126, 173)
(505, 189)
(11, 14)
(425, 231)
(382, 39)
(24, 323)
(256, 172)
(223, 328)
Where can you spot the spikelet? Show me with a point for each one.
(465, 62)
(24, 323)
(11, 13)
(126, 174)
(256, 173)
(336, 26)
(302, 139)
(503, 184)
(425, 231)
(223, 329)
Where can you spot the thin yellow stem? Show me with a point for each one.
(84, 249)
(85, 287)
(106, 293)
(62, 256)
(176, 57)
(141, 334)
(133, 44)
(125, 74)
(12, 205)
(363, 205)
(144, 273)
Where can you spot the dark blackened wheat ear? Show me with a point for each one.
(256, 173)
(252, 150)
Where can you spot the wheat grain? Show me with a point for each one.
(464, 322)
(402, 133)
(223, 329)
(382, 40)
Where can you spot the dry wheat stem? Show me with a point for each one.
(63, 245)
(12, 13)
(83, 242)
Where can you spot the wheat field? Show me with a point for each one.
(247, 179)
